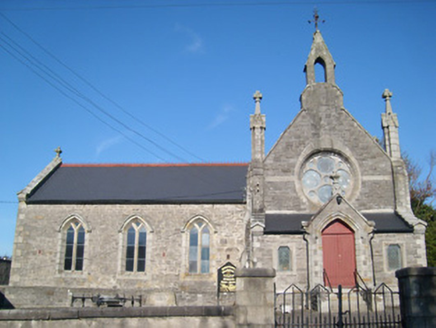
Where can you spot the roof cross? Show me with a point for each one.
(58, 152)
(387, 95)
(316, 19)
(257, 98)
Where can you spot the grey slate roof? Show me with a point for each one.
(388, 222)
(285, 223)
(291, 223)
(106, 184)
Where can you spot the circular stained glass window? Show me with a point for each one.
(325, 175)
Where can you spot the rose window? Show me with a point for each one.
(325, 175)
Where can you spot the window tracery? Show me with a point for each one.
(136, 246)
(74, 246)
(324, 175)
(199, 247)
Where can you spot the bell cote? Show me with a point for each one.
(321, 92)
(319, 55)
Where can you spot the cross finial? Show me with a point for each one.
(58, 152)
(316, 19)
(257, 98)
(387, 95)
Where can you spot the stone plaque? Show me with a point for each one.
(226, 278)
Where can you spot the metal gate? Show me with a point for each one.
(324, 308)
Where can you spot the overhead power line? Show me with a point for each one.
(51, 76)
(72, 93)
(77, 102)
(88, 83)
(215, 4)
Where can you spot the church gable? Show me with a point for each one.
(337, 133)
(324, 128)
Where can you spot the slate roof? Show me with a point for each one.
(291, 223)
(285, 223)
(143, 184)
(388, 222)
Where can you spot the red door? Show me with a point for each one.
(339, 254)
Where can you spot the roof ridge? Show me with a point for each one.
(155, 164)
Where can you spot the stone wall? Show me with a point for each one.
(254, 308)
(412, 251)
(417, 297)
(329, 130)
(39, 248)
(255, 298)
(156, 317)
(267, 257)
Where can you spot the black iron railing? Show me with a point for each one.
(109, 301)
(356, 307)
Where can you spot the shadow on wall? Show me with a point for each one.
(4, 303)
(5, 270)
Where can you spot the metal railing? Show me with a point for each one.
(109, 301)
(357, 307)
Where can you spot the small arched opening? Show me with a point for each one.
(320, 70)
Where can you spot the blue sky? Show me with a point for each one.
(188, 71)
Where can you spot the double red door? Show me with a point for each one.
(339, 254)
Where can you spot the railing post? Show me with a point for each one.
(340, 323)
(417, 296)
(255, 298)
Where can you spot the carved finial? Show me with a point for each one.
(387, 95)
(257, 98)
(336, 188)
(58, 152)
(316, 19)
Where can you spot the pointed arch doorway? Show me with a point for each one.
(339, 256)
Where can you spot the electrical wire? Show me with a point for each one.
(53, 75)
(39, 69)
(218, 4)
(80, 104)
(50, 76)
(97, 90)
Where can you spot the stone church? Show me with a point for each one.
(326, 205)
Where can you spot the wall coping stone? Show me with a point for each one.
(415, 271)
(131, 312)
(255, 272)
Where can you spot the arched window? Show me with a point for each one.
(75, 246)
(284, 258)
(136, 245)
(394, 257)
(199, 247)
